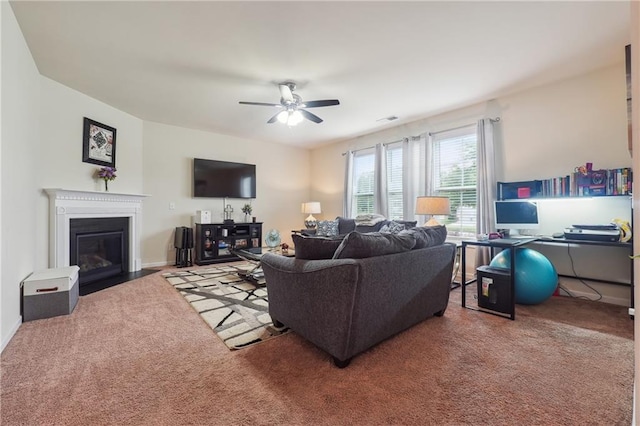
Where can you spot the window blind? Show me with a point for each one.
(454, 174)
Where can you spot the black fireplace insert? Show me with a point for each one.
(100, 247)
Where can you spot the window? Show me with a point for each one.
(363, 174)
(454, 174)
(364, 185)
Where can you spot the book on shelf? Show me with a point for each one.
(593, 183)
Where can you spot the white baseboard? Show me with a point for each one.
(12, 333)
(154, 264)
(621, 301)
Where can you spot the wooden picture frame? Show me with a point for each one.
(98, 143)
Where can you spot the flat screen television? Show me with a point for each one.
(520, 214)
(223, 179)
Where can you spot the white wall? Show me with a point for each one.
(19, 147)
(549, 130)
(59, 159)
(635, 112)
(283, 178)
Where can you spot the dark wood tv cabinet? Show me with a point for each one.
(213, 240)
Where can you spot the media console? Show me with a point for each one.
(214, 240)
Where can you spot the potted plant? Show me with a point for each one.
(247, 209)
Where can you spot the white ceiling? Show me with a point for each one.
(189, 63)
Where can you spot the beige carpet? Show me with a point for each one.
(137, 354)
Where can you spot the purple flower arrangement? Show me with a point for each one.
(107, 173)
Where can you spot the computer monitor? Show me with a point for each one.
(516, 214)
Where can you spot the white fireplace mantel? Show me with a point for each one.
(67, 204)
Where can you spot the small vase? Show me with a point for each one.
(246, 218)
(106, 185)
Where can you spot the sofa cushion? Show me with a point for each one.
(392, 227)
(408, 224)
(315, 248)
(345, 225)
(357, 245)
(327, 228)
(427, 236)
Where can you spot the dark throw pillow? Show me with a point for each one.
(315, 248)
(345, 225)
(408, 224)
(357, 245)
(427, 236)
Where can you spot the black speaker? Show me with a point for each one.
(183, 238)
(183, 242)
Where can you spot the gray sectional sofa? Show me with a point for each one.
(373, 286)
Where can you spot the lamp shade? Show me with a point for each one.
(311, 207)
(433, 205)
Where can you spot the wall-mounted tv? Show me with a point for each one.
(220, 179)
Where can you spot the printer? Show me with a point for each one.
(609, 233)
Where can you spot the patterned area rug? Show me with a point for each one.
(237, 310)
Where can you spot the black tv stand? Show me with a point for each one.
(216, 241)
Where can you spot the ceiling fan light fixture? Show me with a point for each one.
(295, 118)
(283, 117)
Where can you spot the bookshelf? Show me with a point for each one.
(604, 182)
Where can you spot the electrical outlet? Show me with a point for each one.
(172, 206)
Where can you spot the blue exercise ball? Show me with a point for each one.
(536, 279)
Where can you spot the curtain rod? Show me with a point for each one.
(370, 147)
(495, 120)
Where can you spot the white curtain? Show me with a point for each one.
(428, 179)
(380, 194)
(486, 182)
(347, 201)
(413, 174)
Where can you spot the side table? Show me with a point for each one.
(501, 243)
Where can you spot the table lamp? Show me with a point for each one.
(433, 206)
(310, 208)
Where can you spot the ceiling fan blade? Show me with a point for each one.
(310, 116)
(324, 103)
(274, 118)
(285, 92)
(260, 104)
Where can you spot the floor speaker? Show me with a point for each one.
(183, 242)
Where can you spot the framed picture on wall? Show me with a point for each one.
(98, 143)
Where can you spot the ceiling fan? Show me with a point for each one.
(292, 107)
